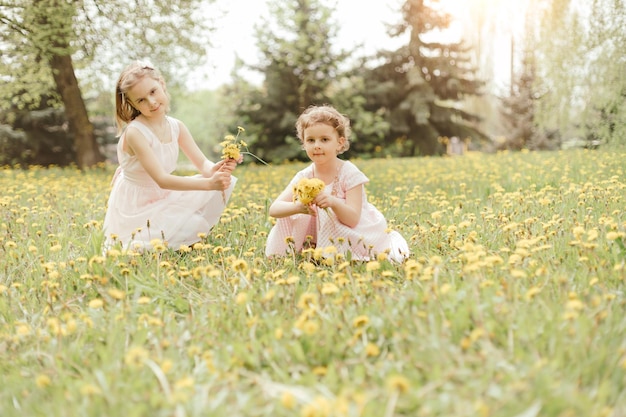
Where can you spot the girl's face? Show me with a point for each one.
(148, 96)
(322, 143)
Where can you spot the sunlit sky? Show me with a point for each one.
(360, 23)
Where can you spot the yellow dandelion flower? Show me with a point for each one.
(319, 370)
(320, 407)
(310, 327)
(360, 321)
(578, 232)
(329, 288)
(96, 303)
(307, 189)
(575, 304)
(532, 291)
(308, 267)
(231, 151)
(166, 366)
(445, 288)
(185, 382)
(398, 383)
(292, 279)
(288, 400)
(372, 350)
(155, 242)
(518, 273)
(307, 300)
(43, 381)
(116, 293)
(89, 390)
(372, 266)
(22, 329)
(135, 356)
(143, 300)
(239, 265)
(241, 298)
(330, 249)
(278, 333)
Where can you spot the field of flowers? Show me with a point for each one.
(511, 304)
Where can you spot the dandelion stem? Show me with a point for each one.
(255, 157)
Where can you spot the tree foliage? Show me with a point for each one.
(420, 84)
(299, 64)
(608, 93)
(47, 42)
(519, 110)
(581, 50)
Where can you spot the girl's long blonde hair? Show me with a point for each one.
(131, 75)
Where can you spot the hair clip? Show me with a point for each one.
(145, 64)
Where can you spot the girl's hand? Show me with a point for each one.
(306, 209)
(229, 164)
(220, 181)
(325, 200)
(209, 168)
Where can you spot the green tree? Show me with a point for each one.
(207, 114)
(419, 85)
(369, 127)
(561, 71)
(582, 69)
(519, 110)
(607, 121)
(46, 43)
(299, 64)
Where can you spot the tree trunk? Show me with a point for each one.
(87, 152)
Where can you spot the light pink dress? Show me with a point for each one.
(364, 241)
(140, 211)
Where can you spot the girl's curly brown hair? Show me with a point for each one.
(328, 115)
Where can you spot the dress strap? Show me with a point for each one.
(335, 190)
(174, 128)
(145, 130)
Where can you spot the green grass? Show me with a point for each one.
(511, 304)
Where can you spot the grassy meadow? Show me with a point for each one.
(512, 303)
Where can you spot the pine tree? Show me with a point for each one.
(298, 65)
(518, 109)
(421, 84)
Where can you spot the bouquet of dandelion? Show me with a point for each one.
(232, 147)
(307, 189)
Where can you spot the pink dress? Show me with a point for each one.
(364, 241)
(140, 211)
